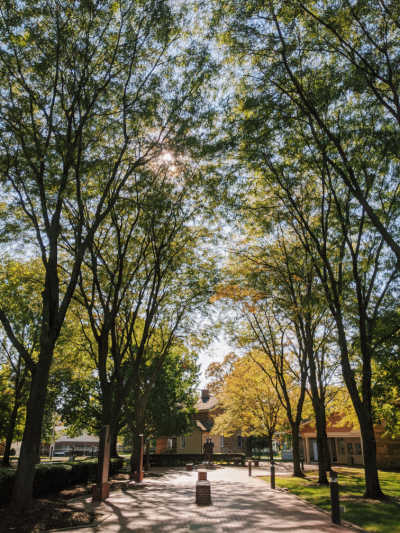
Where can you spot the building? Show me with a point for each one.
(82, 445)
(345, 445)
(203, 420)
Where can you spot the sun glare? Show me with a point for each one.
(167, 157)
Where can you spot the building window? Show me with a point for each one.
(357, 448)
(342, 449)
(183, 441)
(240, 441)
(350, 448)
(221, 442)
(170, 444)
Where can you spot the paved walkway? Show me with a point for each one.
(165, 504)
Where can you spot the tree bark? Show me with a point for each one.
(324, 462)
(10, 434)
(372, 486)
(30, 448)
(297, 471)
(114, 437)
(147, 465)
(318, 403)
(136, 442)
(271, 451)
(364, 415)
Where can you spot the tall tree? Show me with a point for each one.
(88, 96)
(249, 403)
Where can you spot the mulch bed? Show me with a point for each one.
(66, 509)
(44, 515)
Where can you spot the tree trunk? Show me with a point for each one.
(271, 451)
(372, 485)
(30, 448)
(324, 462)
(10, 434)
(147, 465)
(136, 443)
(114, 437)
(297, 471)
(107, 419)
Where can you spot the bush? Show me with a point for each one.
(53, 477)
(6, 483)
(116, 465)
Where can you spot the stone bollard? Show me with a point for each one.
(335, 507)
(272, 475)
(202, 475)
(249, 468)
(203, 492)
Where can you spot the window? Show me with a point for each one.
(183, 441)
(240, 441)
(170, 444)
(221, 442)
(350, 448)
(357, 448)
(342, 449)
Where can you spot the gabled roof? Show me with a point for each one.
(206, 403)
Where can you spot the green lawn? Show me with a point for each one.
(382, 517)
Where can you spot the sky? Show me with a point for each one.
(215, 352)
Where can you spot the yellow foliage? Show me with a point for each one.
(249, 402)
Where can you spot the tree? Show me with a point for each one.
(284, 270)
(249, 402)
(19, 288)
(89, 97)
(336, 66)
(334, 143)
(172, 397)
(270, 332)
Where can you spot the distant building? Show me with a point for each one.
(345, 445)
(206, 410)
(82, 445)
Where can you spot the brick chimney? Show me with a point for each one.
(205, 395)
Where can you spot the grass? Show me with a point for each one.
(371, 515)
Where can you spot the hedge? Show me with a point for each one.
(53, 477)
(180, 459)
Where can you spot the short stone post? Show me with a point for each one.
(249, 468)
(335, 507)
(102, 487)
(202, 475)
(203, 489)
(272, 475)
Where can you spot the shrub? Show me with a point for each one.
(53, 477)
(116, 465)
(6, 483)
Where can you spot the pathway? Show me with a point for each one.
(165, 504)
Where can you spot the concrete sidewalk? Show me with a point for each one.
(240, 504)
